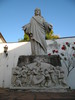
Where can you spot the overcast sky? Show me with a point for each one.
(16, 13)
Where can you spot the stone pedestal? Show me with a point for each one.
(39, 73)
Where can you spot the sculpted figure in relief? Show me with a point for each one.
(38, 74)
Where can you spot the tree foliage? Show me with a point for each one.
(26, 38)
(51, 35)
(48, 36)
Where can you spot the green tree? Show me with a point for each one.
(48, 36)
(26, 38)
(51, 35)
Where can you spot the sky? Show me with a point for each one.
(16, 13)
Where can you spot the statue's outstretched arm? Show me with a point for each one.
(26, 28)
(48, 27)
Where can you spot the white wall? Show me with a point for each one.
(7, 63)
(24, 48)
(71, 76)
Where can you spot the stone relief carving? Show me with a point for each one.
(38, 74)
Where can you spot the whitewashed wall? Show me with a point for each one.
(7, 63)
(24, 48)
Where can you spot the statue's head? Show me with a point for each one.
(37, 12)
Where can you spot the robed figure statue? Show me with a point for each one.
(36, 30)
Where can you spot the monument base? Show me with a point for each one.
(43, 89)
(39, 73)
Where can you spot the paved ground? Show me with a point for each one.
(6, 94)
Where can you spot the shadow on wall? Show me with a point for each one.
(10, 61)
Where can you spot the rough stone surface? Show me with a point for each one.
(53, 59)
(36, 73)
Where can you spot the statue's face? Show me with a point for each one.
(37, 12)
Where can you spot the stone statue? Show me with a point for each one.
(36, 30)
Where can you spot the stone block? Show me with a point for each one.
(39, 73)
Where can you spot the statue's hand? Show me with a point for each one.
(51, 26)
(30, 35)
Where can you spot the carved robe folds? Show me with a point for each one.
(37, 30)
